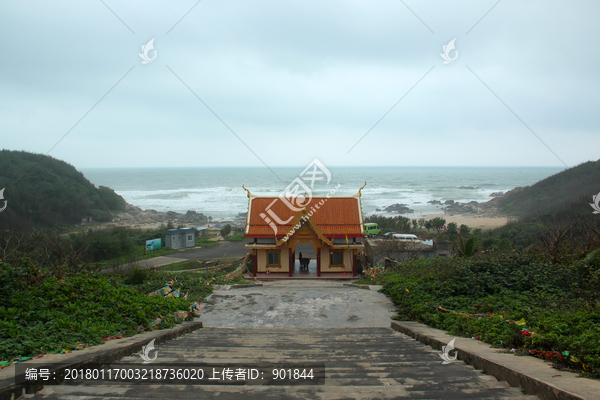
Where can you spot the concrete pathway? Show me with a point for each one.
(297, 303)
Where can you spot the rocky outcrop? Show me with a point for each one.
(136, 215)
(399, 209)
(464, 208)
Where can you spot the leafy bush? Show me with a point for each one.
(38, 316)
(195, 285)
(136, 276)
(42, 311)
(237, 237)
(226, 230)
(557, 305)
(119, 244)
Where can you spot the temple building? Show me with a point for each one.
(328, 229)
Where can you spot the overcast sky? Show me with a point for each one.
(290, 81)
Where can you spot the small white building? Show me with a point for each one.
(180, 238)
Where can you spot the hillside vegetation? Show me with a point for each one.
(54, 299)
(523, 303)
(43, 192)
(557, 191)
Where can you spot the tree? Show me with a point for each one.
(415, 223)
(402, 223)
(226, 230)
(428, 225)
(464, 230)
(421, 223)
(438, 222)
(452, 229)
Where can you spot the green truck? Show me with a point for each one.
(371, 229)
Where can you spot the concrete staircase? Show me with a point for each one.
(360, 363)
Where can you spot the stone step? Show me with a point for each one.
(360, 363)
(232, 392)
(362, 378)
(281, 392)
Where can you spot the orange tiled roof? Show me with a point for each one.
(337, 217)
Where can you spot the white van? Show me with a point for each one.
(405, 236)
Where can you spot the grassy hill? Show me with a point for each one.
(562, 190)
(43, 192)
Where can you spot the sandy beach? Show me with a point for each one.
(472, 221)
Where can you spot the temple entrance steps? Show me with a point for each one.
(360, 363)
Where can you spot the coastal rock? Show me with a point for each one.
(192, 217)
(434, 202)
(497, 194)
(378, 209)
(458, 208)
(449, 202)
(125, 216)
(398, 208)
(172, 215)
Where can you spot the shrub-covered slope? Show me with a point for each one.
(557, 191)
(43, 192)
(510, 301)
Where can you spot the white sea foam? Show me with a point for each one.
(218, 192)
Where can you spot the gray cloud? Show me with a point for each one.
(299, 80)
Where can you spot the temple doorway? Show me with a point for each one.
(308, 265)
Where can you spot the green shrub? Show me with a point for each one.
(55, 313)
(136, 276)
(558, 303)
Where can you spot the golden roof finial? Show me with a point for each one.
(359, 193)
(249, 194)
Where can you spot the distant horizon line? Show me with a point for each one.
(341, 166)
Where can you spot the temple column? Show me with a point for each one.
(319, 261)
(291, 263)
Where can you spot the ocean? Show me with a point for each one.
(218, 192)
